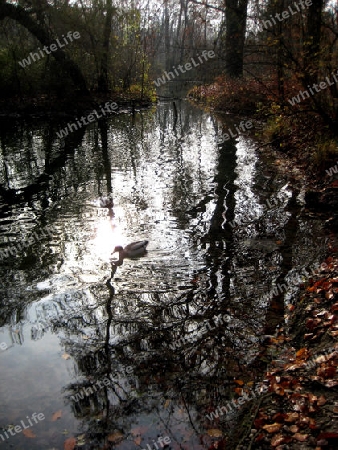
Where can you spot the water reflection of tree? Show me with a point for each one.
(139, 324)
(200, 371)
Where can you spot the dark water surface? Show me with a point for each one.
(160, 344)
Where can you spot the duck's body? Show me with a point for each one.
(106, 202)
(133, 250)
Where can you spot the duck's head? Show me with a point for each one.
(118, 249)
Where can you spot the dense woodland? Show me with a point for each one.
(266, 52)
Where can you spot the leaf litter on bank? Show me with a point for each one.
(302, 397)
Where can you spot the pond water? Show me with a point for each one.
(138, 356)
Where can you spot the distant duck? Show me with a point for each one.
(106, 202)
(133, 250)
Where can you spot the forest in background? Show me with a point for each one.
(267, 52)
(122, 47)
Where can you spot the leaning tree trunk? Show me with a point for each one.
(235, 21)
(20, 15)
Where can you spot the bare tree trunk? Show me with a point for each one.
(166, 34)
(235, 19)
(312, 41)
(280, 55)
(103, 82)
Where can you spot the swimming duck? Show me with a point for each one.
(106, 202)
(133, 250)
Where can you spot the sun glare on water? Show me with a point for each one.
(108, 235)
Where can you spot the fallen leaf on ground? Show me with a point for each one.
(327, 435)
(277, 440)
(326, 372)
(302, 353)
(115, 437)
(214, 432)
(279, 417)
(57, 415)
(300, 437)
(29, 433)
(273, 428)
(66, 356)
(295, 366)
(291, 417)
(69, 443)
(321, 400)
(138, 440)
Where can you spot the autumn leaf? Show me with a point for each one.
(329, 295)
(291, 417)
(312, 323)
(214, 432)
(278, 389)
(259, 437)
(328, 435)
(115, 437)
(69, 443)
(292, 367)
(326, 372)
(302, 353)
(279, 417)
(66, 356)
(29, 433)
(278, 439)
(312, 424)
(239, 382)
(273, 428)
(300, 437)
(138, 440)
(57, 415)
(260, 422)
(312, 398)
